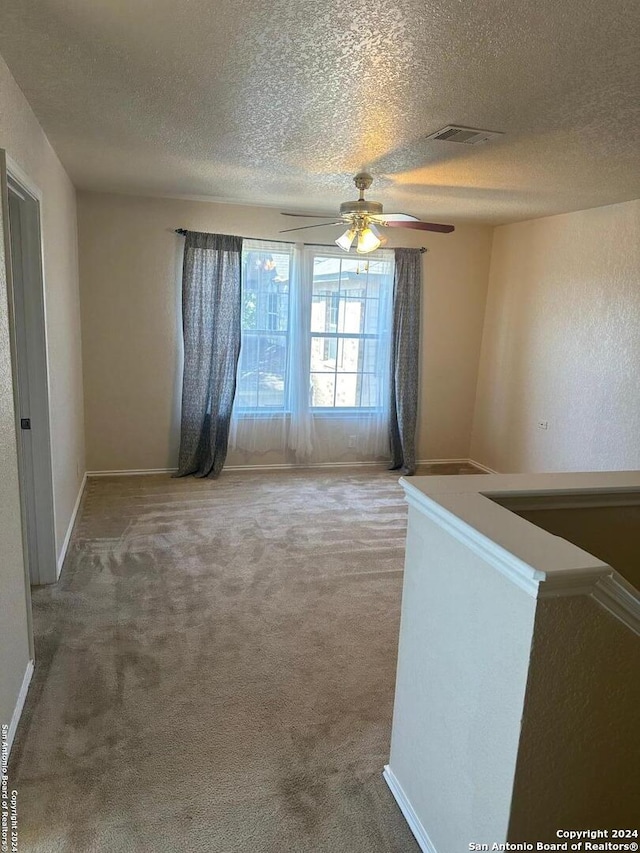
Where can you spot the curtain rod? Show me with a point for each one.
(184, 232)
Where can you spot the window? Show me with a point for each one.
(347, 326)
(344, 334)
(264, 353)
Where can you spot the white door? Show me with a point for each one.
(31, 387)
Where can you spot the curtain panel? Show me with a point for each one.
(405, 348)
(211, 324)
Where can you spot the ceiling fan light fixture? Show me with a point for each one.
(368, 240)
(346, 239)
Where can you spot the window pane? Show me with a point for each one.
(323, 353)
(352, 309)
(262, 369)
(325, 306)
(371, 356)
(371, 391)
(272, 370)
(351, 299)
(349, 354)
(247, 388)
(347, 387)
(323, 387)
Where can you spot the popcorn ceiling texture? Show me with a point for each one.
(279, 103)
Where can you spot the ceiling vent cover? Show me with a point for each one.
(465, 135)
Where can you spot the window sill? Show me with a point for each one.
(316, 413)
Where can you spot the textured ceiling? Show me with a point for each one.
(281, 102)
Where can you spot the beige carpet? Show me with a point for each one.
(215, 669)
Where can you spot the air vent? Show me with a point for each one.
(465, 135)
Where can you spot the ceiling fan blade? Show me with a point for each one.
(318, 225)
(421, 226)
(309, 215)
(395, 217)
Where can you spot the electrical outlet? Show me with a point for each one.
(543, 424)
(353, 440)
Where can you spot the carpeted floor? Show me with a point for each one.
(215, 669)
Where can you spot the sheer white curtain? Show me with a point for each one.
(260, 417)
(314, 370)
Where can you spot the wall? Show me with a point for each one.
(130, 282)
(562, 344)
(26, 144)
(463, 657)
(14, 622)
(580, 741)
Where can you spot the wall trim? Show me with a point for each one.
(610, 591)
(419, 832)
(280, 466)
(619, 597)
(577, 582)
(587, 499)
(19, 706)
(600, 582)
(516, 570)
(18, 173)
(459, 461)
(288, 466)
(482, 467)
(131, 472)
(72, 521)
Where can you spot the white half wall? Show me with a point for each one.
(130, 271)
(561, 345)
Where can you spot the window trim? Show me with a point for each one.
(311, 252)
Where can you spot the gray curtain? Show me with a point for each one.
(405, 348)
(211, 312)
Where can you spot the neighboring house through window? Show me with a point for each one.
(347, 344)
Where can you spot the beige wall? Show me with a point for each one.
(580, 740)
(14, 625)
(562, 344)
(26, 144)
(130, 281)
(28, 147)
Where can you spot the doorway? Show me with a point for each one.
(31, 384)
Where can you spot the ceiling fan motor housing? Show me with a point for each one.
(361, 208)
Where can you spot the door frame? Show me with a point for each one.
(29, 350)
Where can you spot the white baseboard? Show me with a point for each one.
(283, 466)
(418, 830)
(482, 467)
(17, 711)
(288, 466)
(131, 472)
(441, 461)
(72, 521)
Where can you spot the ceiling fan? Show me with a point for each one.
(363, 218)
